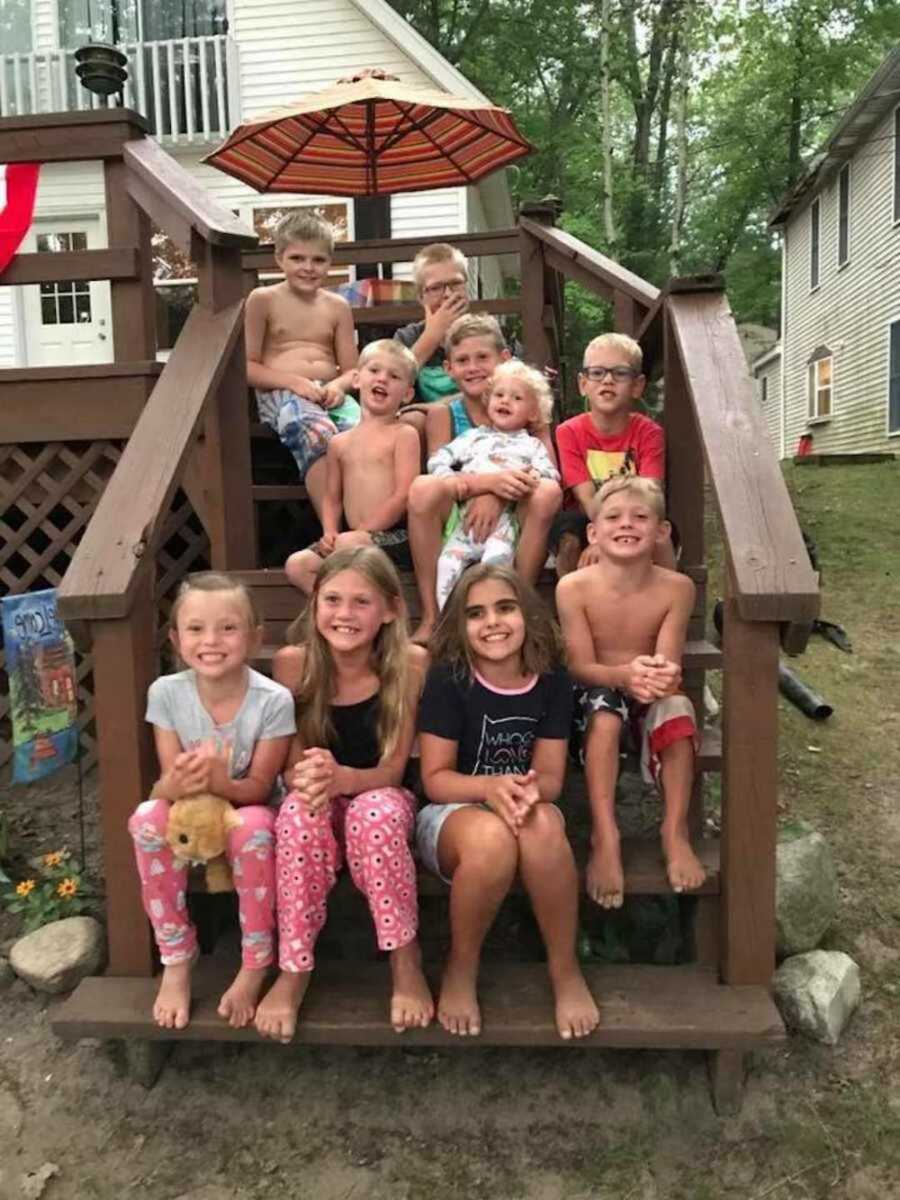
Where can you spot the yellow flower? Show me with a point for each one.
(53, 859)
(67, 889)
(26, 886)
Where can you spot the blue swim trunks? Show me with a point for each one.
(303, 426)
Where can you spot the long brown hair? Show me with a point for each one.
(542, 649)
(390, 653)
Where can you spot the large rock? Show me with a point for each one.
(806, 890)
(817, 993)
(56, 957)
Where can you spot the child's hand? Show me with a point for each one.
(590, 556)
(666, 677)
(325, 545)
(481, 516)
(506, 796)
(308, 389)
(645, 681)
(317, 777)
(513, 485)
(188, 775)
(438, 320)
(332, 394)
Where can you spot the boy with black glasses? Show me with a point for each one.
(608, 440)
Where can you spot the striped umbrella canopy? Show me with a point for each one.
(371, 135)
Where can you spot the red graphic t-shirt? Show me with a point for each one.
(586, 455)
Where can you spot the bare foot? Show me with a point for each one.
(458, 1009)
(276, 1013)
(238, 1003)
(684, 868)
(412, 1004)
(577, 1014)
(172, 1007)
(424, 630)
(605, 877)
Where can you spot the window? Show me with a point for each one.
(844, 215)
(820, 376)
(894, 379)
(764, 390)
(814, 244)
(64, 303)
(897, 164)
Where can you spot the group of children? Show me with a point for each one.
(489, 705)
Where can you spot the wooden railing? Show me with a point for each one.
(181, 86)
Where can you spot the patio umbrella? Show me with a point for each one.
(371, 135)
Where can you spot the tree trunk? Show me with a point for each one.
(609, 228)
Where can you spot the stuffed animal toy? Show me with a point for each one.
(197, 832)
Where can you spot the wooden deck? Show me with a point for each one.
(347, 1004)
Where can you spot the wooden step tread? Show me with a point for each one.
(347, 1004)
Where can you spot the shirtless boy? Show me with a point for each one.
(475, 348)
(301, 352)
(369, 469)
(624, 621)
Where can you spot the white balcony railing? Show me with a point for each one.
(180, 86)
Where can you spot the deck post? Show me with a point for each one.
(627, 314)
(133, 302)
(225, 447)
(537, 346)
(749, 796)
(124, 667)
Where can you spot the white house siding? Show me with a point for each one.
(8, 356)
(287, 48)
(44, 28)
(771, 372)
(850, 311)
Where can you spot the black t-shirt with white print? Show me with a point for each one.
(495, 729)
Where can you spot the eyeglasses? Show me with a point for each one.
(438, 289)
(619, 374)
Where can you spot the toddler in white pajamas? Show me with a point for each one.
(519, 399)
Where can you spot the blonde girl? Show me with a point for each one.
(221, 727)
(493, 726)
(356, 679)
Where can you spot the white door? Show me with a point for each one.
(66, 323)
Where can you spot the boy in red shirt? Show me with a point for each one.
(607, 440)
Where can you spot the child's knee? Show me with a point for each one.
(426, 496)
(149, 822)
(604, 729)
(545, 822)
(545, 500)
(256, 832)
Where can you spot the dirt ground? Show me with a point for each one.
(236, 1123)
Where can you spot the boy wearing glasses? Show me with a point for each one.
(607, 441)
(441, 276)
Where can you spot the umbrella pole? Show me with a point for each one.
(372, 164)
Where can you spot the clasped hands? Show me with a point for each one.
(328, 395)
(203, 768)
(316, 778)
(652, 677)
(512, 797)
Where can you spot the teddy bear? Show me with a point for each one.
(197, 832)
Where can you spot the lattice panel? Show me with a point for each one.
(48, 492)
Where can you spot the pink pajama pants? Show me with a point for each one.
(375, 829)
(250, 852)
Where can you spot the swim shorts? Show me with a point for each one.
(395, 543)
(303, 426)
(654, 726)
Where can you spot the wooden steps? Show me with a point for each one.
(347, 1004)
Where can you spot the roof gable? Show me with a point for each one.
(876, 99)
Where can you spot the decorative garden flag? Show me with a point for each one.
(40, 662)
(18, 184)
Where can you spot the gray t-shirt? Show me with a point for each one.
(267, 712)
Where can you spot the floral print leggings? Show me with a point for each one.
(375, 829)
(251, 854)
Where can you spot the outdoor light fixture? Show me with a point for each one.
(100, 67)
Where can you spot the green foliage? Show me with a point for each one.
(53, 892)
(766, 81)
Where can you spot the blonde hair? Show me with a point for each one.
(389, 655)
(536, 383)
(542, 649)
(646, 489)
(474, 325)
(395, 350)
(618, 341)
(304, 225)
(437, 252)
(214, 581)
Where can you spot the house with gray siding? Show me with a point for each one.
(840, 330)
(197, 68)
(766, 371)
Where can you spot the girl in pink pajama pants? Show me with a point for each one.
(356, 680)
